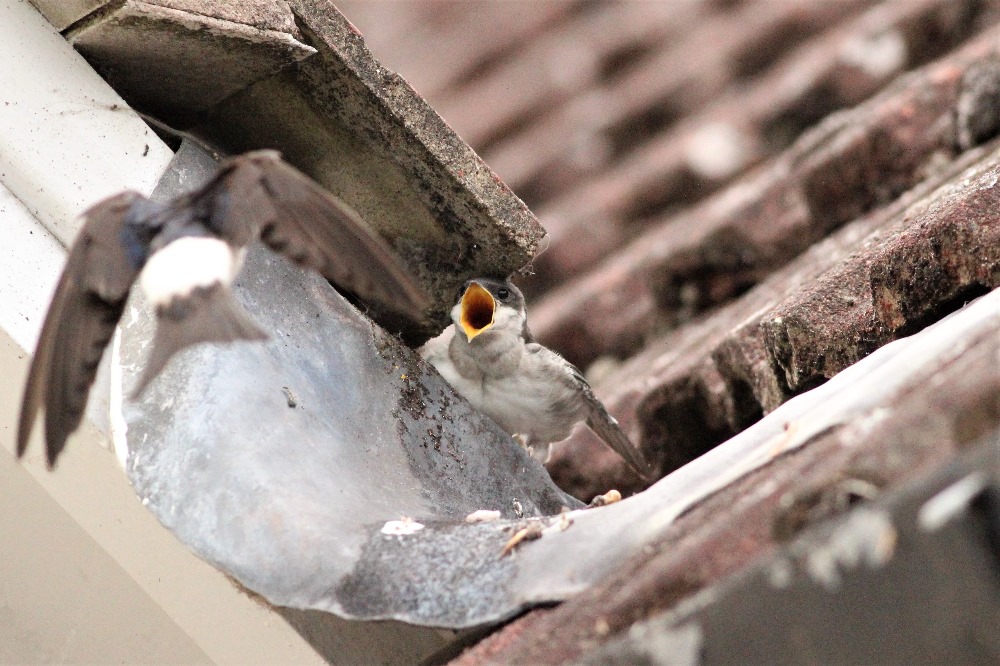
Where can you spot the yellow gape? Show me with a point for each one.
(477, 310)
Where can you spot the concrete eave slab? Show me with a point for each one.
(175, 62)
(63, 13)
(297, 76)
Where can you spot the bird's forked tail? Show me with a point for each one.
(207, 314)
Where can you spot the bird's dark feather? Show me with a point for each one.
(296, 217)
(87, 305)
(253, 195)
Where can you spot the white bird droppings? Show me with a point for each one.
(402, 527)
(482, 516)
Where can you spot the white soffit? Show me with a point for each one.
(68, 139)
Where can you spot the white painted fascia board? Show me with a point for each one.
(68, 139)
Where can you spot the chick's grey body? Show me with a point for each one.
(526, 388)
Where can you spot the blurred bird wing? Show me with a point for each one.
(87, 305)
(258, 193)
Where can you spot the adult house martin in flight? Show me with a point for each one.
(185, 255)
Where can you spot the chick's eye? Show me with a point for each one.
(503, 294)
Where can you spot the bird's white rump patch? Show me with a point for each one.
(185, 264)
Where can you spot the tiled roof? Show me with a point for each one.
(742, 199)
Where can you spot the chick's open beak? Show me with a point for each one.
(477, 310)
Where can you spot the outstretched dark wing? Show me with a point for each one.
(607, 428)
(87, 305)
(258, 193)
